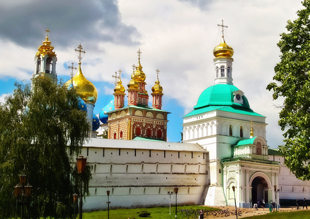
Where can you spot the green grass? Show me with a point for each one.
(284, 215)
(156, 213)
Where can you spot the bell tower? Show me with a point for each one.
(45, 60)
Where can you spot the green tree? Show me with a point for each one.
(292, 82)
(41, 133)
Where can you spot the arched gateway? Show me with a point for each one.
(260, 186)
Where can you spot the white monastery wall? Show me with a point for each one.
(289, 186)
(143, 177)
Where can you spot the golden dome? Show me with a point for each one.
(119, 88)
(85, 89)
(133, 84)
(46, 48)
(223, 50)
(157, 88)
(139, 74)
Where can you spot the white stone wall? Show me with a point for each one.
(143, 177)
(289, 186)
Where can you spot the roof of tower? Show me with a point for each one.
(223, 50)
(139, 74)
(46, 48)
(157, 88)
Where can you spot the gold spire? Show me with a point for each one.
(223, 50)
(46, 47)
(157, 88)
(84, 88)
(119, 88)
(251, 131)
(139, 74)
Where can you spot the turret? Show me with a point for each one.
(119, 92)
(157, 94)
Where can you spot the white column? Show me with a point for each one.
(247, 186)
(243, 176)
(90, 111)
(272, 184)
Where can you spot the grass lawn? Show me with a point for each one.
(284, 215)
(156, 213)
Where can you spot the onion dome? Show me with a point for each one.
(139, 74)
(46, 48)
(133, 84)
(84, 88)
(220, 95)
(223, 50)
(119, 88)
(82, 105)
(96, 123)
(103, 116)
(157, 88)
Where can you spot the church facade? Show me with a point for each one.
(224, 153)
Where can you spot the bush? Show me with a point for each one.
(144, 214)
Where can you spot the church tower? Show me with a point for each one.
(119, 92)
(157, 93)
(45, 60)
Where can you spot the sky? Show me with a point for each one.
(175, 36)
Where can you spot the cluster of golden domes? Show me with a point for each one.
(46, 48)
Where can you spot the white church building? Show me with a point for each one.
(224, 145)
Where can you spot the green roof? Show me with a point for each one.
(272, 151)
(246, 142)
(220, 95)
(223, 108)
(146, 139)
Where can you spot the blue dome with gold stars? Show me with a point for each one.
(82, 105)
(110, 107)
(96, 122)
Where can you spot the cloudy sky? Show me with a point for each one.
(175, 36)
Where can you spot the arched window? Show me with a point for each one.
(230, 130)
(217, 71)
(121, 135)
(148, 133)
(222, 71)
(48, 68)
(114, 135)
(259, 148)
(159, 134)
(241, 132)
(228, 72)
(138, 131)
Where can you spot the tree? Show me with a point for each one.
(292, 82)
(41, 133)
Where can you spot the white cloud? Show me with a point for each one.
(3, 97)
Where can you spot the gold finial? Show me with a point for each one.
(222, 25)
(115, 78)
(133, 67)
(80, 50)
(251, 131)
(157, 72)
(47, 31)
(139, 55)
(119, 74)
(72, 68)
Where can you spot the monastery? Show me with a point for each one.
(224, 143)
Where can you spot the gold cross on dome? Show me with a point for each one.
(47, 31)
(115, 78)
(139, 54)
(222, 25)
(72, 68)
(80, 50)
(119, 74)
(133, 67)
(157, 72)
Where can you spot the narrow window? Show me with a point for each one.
(119, 151)
(217, 71)
(241, 132)
(135, 152)
(121, 134)
(220, 171)
(192, 154)
(230, 130)
(178, 154)
(87, 151)
(150, 153)
(164, 154)
(228, 72)
(148, 133)
(259, 148)
(222, 71)
(138, 131)
(159, 134)
(114, 135)
(102, 152)
(203, 155)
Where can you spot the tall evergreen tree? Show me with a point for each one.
(41, 133)
(292, 81)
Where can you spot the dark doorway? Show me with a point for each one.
(259, 190)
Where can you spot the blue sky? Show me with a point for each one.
(175, 36)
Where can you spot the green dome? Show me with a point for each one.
(220, 95)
